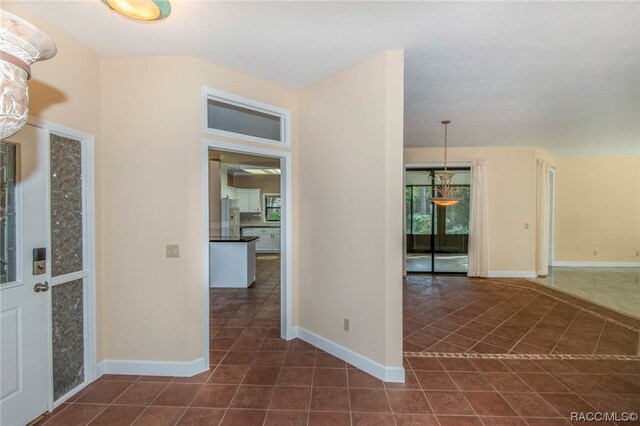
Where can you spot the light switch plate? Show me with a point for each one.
(173, 250)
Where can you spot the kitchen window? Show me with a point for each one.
(272, 208)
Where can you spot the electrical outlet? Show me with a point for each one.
(526, 226)
(173, 250)
(637, 252)
(595, 253)
(347, 324)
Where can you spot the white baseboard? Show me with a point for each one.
(99, 370)
(512, 274)
(387, 374)
(151, 368)
(597, 264)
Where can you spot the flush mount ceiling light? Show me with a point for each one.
(261, 171)
(444, 188)
(141, 10)
(21, 44)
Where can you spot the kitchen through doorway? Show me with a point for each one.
(247, 251)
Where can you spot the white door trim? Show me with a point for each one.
(552, 214)
(89, 270)
(286, 229)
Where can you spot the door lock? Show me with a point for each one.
(41, 287)
(39, 261)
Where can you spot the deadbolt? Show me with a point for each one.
(41, 287)
(39, 261)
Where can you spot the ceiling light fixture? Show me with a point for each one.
(444, 188)
(260, 171)
(141, 10)
(21, 44)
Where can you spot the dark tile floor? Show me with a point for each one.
(256, 378)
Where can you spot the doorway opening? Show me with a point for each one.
(248, 261)
(437, 237)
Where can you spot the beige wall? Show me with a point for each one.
(350, 198)
(153, 176)
(266, 184)
(511, 181)
(65, 90)
(597, 209)
(544, 155)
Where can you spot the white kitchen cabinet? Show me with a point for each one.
(264, 243)
(250, 201)
(229, 192)
(250, 232)
(269, 241)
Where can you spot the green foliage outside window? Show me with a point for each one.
(273, 214)
(272, 208)
(418, 219)
(458, 215)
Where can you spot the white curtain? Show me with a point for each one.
(479, 222)
(542, 218)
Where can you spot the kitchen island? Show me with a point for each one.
(232, 261)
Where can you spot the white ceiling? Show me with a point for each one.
(564, 76)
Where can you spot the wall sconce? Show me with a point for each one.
(21, 44)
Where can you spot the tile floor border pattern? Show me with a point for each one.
(533, 357)
(573, 305)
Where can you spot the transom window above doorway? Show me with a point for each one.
(233, 116)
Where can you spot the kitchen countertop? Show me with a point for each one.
(232, 239)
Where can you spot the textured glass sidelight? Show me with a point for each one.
(67, 337)
(66, 206)
(7, 213)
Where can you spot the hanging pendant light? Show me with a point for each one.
(444, 188)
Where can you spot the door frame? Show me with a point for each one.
(552, 206)
(89, 249)
(286, 194)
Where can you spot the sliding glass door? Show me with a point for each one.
(437, 236)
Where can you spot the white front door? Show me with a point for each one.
(24, 297)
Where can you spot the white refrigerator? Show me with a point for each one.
(230, 217)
